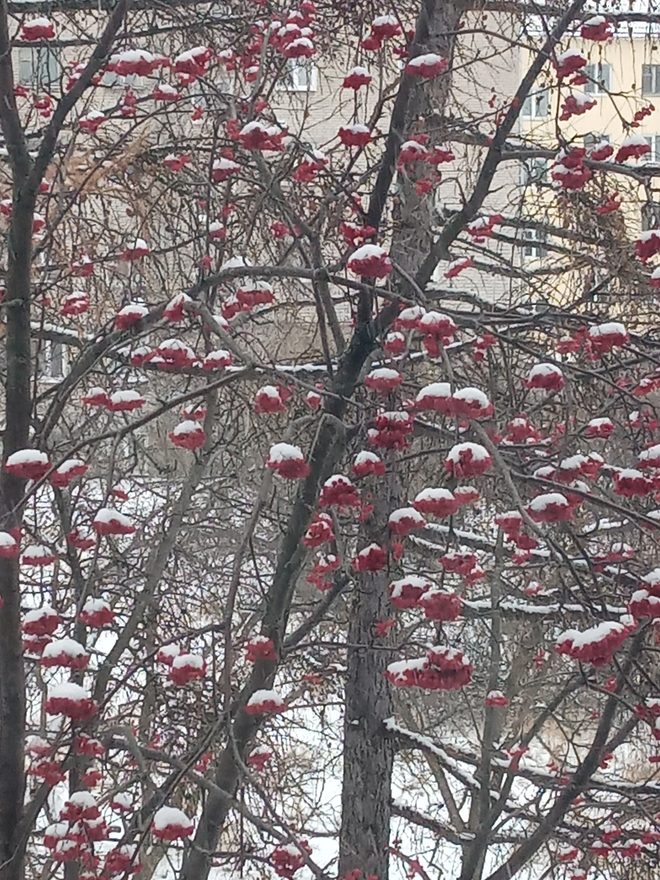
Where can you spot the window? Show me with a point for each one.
(536, 105)
(299, 75)
(653, 140)
(651, 79)
(650, 216)
(534, 171)
(599, 78)
(533, 244)
(51, 360)
(590, 140)
(39, 67)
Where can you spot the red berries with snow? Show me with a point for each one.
(129, 315)
(193, 62)
(256, 135)
(405, 520)
(436, 397)
(65, 653)
(171, 824)
(339, 491)
(436, 502)
(137, 250)
(576, 104)
(71, 700)
(384, 27)
(409, 318)
(370, 260)
(357, 78)
(510, 522)
(271, 399)
(125, 401)
(320, 531)
(546, 377)
(427, 66)
(368, 464)
(96, 613)
(644, 604)
(550, 507)
(441, 669)
(217, 360)
(605, 337)
(631, 483)
(287, 858)
(391, 430)
(109, 521)
(287, 461)
(81, 806)
(440, 605)
(176, 353)
(134, 62)
(68, 471)
(188, 435)
(597, 28)
(600, 428)
(496, 699)
(122, 860)
(395, 344)
(356, 135)
(259, 648)
(471, 403)
(265, 702)
(635, 146)
(175, 310)
(383, 380)
(41, 621)
(259, 757)
(36, 29)
(596, 645)
(92, 121)
(406, 592)
(223, 168)
(74, 304)
(96, 397)
(569, 62)
(186, 668)
(29, 464)
(38, 555)
(9, 546)
(437, 325)
(468, 460)
(80, 539)
(457, 266)
(371, 558)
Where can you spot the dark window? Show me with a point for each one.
(39, 67)
(599, 78)
(533, 244)
(536, 105)
(651, 79)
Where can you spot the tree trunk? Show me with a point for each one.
(368, 753)
(18, 407)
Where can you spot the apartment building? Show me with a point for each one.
(487, 68)
(623, 75)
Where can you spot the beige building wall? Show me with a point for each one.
(624, 77)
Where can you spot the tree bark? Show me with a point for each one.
(368, 753)
(18, 407)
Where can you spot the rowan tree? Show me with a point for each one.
(330, 544)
